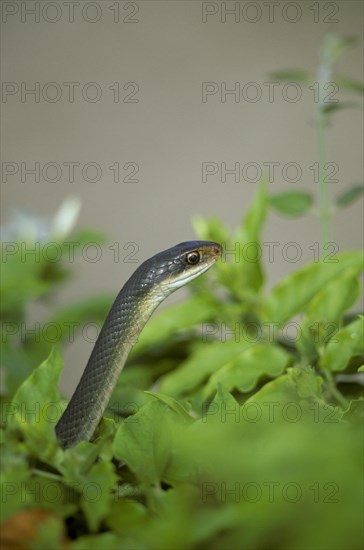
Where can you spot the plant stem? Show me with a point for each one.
(324, 192)
(331, 386)
(324, 74)
(48, 475)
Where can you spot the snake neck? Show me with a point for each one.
(120, 332)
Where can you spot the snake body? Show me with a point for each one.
(149, 285)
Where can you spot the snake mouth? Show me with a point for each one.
(188, 275)
(209, 256)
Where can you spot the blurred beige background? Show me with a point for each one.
(120, 84)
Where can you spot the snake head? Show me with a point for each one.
(177, 266)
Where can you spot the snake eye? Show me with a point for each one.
(193, 258)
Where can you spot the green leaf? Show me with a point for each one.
(81, 239)
(210, 229)
(20, 280)
(307, 384)
(35, 407)
(291, 203)
(97, 496)
(350, 195)
(37, 491)
(145, 440)
(334, 46)
(325, 312)
(292, 75)
(349, 84)
(293, 397)
(240, 270)
(173, 404)
(254, 218)
(331, 108)
(224, 408)
(355, 411)
(249, 271)
(16, 362)
(76, 461)
(15, 474)
(129, 393)
(206, 359)
(128, 519)
(346, 343)
(103, 541)
(244, 371)
(87, 469)
(50, 534)
(294, 292)
(223, 397)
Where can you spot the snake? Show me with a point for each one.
(154, 280)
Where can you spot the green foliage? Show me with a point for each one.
(234, 434)
(326, 310)
(34, 265)
(31, 407)
(293, 293)
(346, 343)
(350, 195)
(291, 203)
(297, 203)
